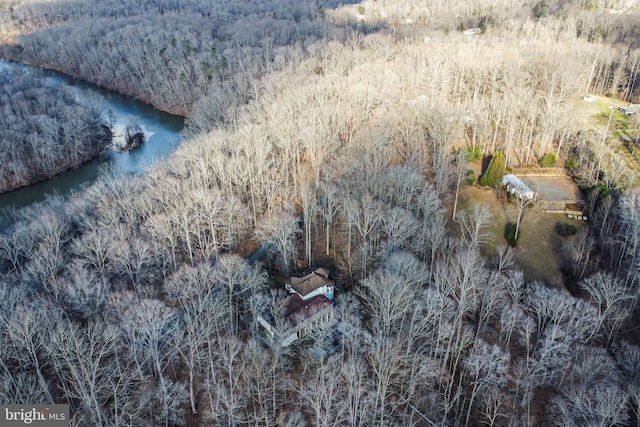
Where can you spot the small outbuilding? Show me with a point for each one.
(630, 109)
(515, 186)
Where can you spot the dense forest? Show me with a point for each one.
(336, 135)
(45, 130)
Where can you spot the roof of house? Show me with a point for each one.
(515, 183)
(472, 32)
(299, 309)
(310, 280)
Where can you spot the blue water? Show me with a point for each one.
(162, 136)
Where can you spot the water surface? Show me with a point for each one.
(162, 136)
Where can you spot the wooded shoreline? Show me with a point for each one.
(341, 137)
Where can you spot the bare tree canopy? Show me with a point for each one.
(333, 135)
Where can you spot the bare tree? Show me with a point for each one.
(150, 328)
(15, 247)
(240, 282)
(460, 163)
(82, 293)
(630, 230)
(580, 250)
(628, 358)
(357, 386)
(322, 393)
(365, 213)
(521, 203)
(473, 225)
(389, 298)
(133, 261)
(204, 319)
(400, 226)
(598, 405)
(493, 404)
(26, 338)
(308, 204)
(488, 367)
(82, 360)
(329, 209)
(612, 299)
(384, 358)
(433, 233)
(93, 247)
(277, 233)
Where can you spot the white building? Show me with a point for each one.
(515, 186)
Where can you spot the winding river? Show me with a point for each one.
(162, 136)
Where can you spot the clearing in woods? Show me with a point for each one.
(541, 252)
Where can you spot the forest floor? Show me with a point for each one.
(540, 252)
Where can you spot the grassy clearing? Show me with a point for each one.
(622, 142)
(623, 155)
(540, 252)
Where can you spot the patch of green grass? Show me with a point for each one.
(622, 130)
(618, 119)
(600, 108)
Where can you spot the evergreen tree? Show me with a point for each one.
(492, 177)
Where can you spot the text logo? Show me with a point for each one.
(34, 415)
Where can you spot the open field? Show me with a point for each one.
(541, 252)
(622, 155)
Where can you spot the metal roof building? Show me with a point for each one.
(515, 186)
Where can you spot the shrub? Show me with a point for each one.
(571, 163)
(510, 235)
(471, 177)
(541, 9)
(473, 153)
(485, 22)
(565, 229)
(548, 160)
(599, 193)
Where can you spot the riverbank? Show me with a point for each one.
(103, 145)
(45, 128)
(13, 53)
(81, 168)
